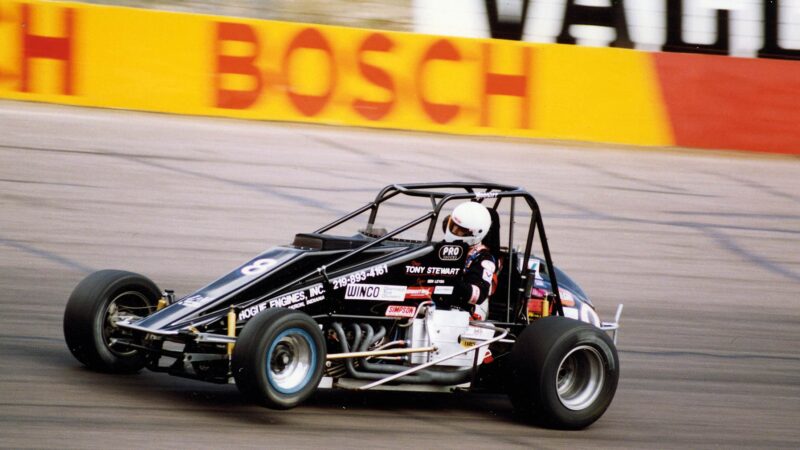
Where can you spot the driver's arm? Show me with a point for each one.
(476, 283)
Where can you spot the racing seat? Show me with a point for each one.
(508, 283)
(508, 277)
(492, 241)
(492, 238)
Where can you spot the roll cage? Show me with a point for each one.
(441, 194)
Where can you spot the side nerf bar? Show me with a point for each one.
(613, 327)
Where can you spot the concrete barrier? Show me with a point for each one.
(126, 58)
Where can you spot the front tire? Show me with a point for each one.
(95, 305)
(564, 373)
(279, 357)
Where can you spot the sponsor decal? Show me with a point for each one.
(467, 343)
(571, 313)
(251, 311)
(292, 300)
(612, 24)
(533, 266)
(479, 333)
(433, 271)
(443, 290)
(486, 195)
(419, 292)
(195, 301)
(361, 275)
(567, 299)
(450, 252)
(473, 335)
(400, 311)
(488, 270)
(538, 293)
(380, 292)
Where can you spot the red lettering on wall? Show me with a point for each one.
(239, 65)
(310, 38)
(47, 47)
(442, 49)
(504, 84)
(372, 110)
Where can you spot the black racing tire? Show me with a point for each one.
(279, 358)
(564, 373)
(88, 319)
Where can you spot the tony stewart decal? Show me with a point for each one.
(432, 271)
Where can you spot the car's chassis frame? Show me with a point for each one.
(197, 336)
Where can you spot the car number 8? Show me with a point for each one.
(258, 267)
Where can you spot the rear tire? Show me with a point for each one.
(89, 319)
(564, 373)
(279, 357)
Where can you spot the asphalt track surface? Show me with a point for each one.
(703, 248)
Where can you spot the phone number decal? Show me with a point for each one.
(361, 275)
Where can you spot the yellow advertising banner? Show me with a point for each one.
(126, 58)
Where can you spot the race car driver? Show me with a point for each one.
(470, 223)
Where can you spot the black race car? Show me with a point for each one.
(369, 309)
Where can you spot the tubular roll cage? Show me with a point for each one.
(472, 191)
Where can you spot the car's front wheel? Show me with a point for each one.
(564, 372)
(279, 358)
(93, 309)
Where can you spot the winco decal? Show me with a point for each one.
(433, 271)
(380, 292)
(292, 300)
(450, 252)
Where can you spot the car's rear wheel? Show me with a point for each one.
(96, 304)
(278, 358)
(564, 373)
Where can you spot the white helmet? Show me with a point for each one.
(469, 222)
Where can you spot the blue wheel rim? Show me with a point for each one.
(291, 361)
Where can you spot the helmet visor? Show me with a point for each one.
(458, 230)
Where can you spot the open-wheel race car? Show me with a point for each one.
(370, 309)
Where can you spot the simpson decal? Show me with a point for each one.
(450, 252)
(400, 311)
(378, 292)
